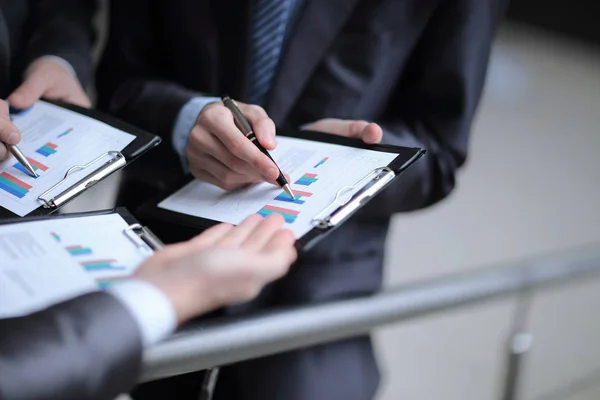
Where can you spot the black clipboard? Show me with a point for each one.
(372, 185)
(134, 228)
(100, 168)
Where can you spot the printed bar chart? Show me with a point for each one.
(35, 164)
(306, 179)
(104, 283)
(13, 185)
(298, 194)
(288, 215)
(78, 250)
(65, 133)
(321, 162)
(56, 236)
(47, 150)
(101, 265)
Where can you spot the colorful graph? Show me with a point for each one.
(78, 250)
(288, 215)
(307, 179)
(14, 186)
(103, 283)
(47, 150)
(321, 162)
(298, 194)
(65, 133)
(101, 265)
(56, 236)
(35, 164)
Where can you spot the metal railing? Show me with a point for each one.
(225, 341)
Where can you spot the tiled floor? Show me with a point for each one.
(531, 186)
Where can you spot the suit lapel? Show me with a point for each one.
(316, 28)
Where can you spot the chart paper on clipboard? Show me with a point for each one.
(49, 260)
(318, 172)
(54, 139)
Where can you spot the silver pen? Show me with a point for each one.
(21, 159)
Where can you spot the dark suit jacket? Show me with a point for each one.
(33, 28)
(85, 348)
(89, 347)
(417, 67)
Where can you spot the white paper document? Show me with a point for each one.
(45, 262)
(53, 139)
(317, 170)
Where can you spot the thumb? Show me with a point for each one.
(31, 90)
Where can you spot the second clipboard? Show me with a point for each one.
(348, 200)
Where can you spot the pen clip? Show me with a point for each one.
(116, 162)
(341, 208)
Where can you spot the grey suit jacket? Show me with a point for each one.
(33, 28)
(85, 348)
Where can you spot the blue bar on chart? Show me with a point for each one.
(321, 162)
(288, 215)
(78, 250)
(101, 265)
(13, 185)
(47, 150)
(307, 179)
(298, 194)
(65, 133)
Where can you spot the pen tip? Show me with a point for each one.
(288, 190)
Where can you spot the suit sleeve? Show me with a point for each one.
(62, 28)
(436, 99)
(85, 348)
(130, 80)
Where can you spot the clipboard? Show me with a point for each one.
(332, 216)
(99, 168)
(93, 264)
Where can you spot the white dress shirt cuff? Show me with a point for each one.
(185, 122)
(150, 308)
(65, 64)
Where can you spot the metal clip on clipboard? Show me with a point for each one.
(137, 231)
(115, 161)
(342, 208)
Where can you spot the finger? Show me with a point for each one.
(221, 172)
(72, 94)
(371, 134)
(219, 122)
(211, 236)
(30, 91)
(206, 176)
(3, 152)
(9, 133)
(262, 125)
(280, 253)
(202, 143)
(240, 233)
(264, 232)
(206, 239)
(355, 128)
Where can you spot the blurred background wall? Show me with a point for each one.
(531, 185)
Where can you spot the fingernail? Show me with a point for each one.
(13, 138)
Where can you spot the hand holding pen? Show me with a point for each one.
(218, 153)
(9, 137)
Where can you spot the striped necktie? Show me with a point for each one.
(269, 23)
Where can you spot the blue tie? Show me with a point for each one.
(269, 23)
